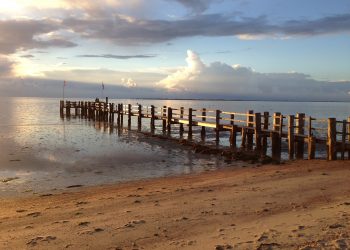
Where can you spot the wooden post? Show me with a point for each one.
(181, 124)
(311, 141)
(139, 118)
(291, 136)
(349, 137)
(257, 132)
(204, 114)
(112, 111)
(250, 120)
(118, 114)
(332, 139)
(129, 115)
(169, 119)
(75, 109)
(311, 147)
(233, 132)
(164, 119)
(61, 107)
(300, 125)
(265, 127)
(121, 115)
(152, 119)
(68, 108)
(276, 136)
(99, 111)
(190, 123)
(343, 140)
(217, 126)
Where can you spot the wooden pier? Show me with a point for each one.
(258, 132)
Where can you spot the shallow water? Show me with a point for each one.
(44, 152)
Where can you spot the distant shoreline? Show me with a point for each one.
(177, 99)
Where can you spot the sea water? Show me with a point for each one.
(40, 151)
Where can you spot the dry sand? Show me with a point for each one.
(297, 205)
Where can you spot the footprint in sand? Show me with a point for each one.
(84, 223)
(21, 210)
(34, 214)
(223, 247)
(36, 240)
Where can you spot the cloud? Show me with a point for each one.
(225, 81)
(22, 35)
(6, 67)
(28, 56)
(106, 75)
(128, 82)
(196, 6)
(184, 75)
(124, 30)
(121, 57)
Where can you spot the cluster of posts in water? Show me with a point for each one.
(254, 129)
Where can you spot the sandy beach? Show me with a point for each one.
(296, 205)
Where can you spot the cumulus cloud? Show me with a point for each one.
(22, 35)
(121, 57)
(179, 79)
(128, 82)
(225, 81)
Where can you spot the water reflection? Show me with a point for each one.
(48, 151)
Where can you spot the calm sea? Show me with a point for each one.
(39, 151)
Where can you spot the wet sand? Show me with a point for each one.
(297, 205)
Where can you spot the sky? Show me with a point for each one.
(226, 49)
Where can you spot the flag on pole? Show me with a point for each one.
(103, 86)
(64, 83)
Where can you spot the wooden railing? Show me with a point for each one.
(257, 131)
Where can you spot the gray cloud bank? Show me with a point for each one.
(127, 31)
(22, 34)
(120, 57)
(124, 31)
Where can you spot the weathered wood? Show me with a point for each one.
(152, 119)
(217, 126)
(265, 127)
(203, 132)
(343, 140)
(244, 137)
(233, 132)
(190, 117)
(349, 137)
(291, 136)
(311, 147)
(104, 111)
(300, 126)
(164, 119)
(250, 123)
(181, 132)
(139, 118)
(129, 115)
(276, 136)
(61, 107)
(68, 108)
(169, 119)
(332, 139)
(257, 132)
(121, 115)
